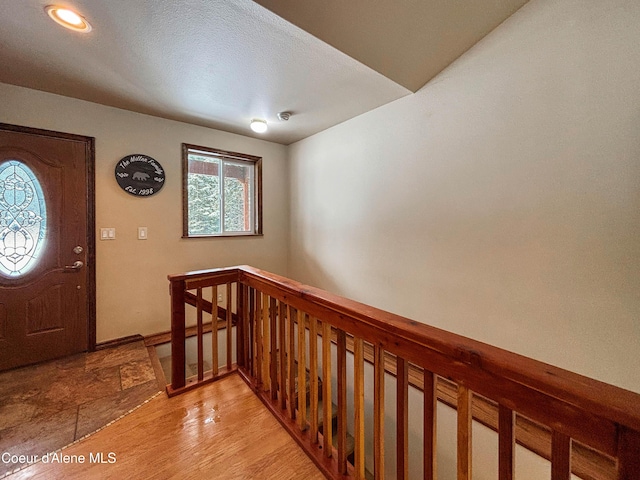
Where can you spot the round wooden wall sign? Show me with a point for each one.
(140, 175)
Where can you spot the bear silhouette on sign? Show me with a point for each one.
(140, 176)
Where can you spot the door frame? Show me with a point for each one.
(90, 160)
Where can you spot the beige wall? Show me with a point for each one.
(132, 286)
(501, 201)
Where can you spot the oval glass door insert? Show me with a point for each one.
(23, 219)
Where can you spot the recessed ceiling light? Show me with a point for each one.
(258, 126)
(68, 18)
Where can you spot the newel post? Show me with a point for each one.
(628, 454)
(178, 376)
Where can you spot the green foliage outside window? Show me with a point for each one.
(204, 204)
(234, 207)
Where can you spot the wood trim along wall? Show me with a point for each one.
(91, 244)
(116, 342)
(165, 337)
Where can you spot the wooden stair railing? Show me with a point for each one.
(281, 324)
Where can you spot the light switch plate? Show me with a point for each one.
(142, 233)
(107, 234)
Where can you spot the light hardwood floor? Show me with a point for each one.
(220, 431)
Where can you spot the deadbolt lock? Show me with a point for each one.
(78, 249)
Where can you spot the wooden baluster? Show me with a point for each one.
(200, 334)
(246, 337)
(402, 419)
(214, 331)
(430, 430)
(628, 454)
(178, 377)
(464, 433)
(302, 371)
(282, 317)
(274, 348)
(358, 405)
(240, 330)
(560, 456)
(313, 378)
(252, 330)
(342, 402)
(266, 337)
(506, 443)
(229, 329)
(291, 364)
(378, 412)
(259, 343)
(247, 327)
(327, 411)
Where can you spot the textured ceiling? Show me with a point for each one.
(221, 63)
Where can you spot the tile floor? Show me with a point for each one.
(48, 406)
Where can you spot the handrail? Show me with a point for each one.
(614, 403)
(596, 414)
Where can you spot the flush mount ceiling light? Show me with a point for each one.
(258, 126)
(68, 18)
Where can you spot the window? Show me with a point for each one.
(222, 193)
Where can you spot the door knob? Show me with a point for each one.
(77, 265)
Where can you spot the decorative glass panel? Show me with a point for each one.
(23, 219)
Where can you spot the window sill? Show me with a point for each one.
(227, 235)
